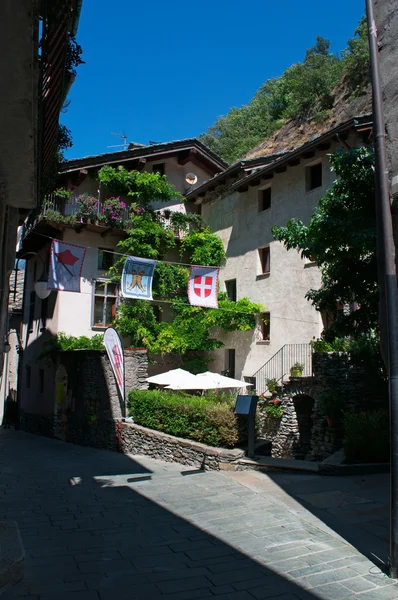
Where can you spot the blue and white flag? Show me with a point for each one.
(137, 278)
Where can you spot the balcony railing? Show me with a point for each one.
(73, 208)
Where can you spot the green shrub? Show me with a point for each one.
(366, 436)
(62, 342)
(274, 410)
(206, 419)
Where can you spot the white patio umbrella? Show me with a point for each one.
(221, 381)
(208, 381)
(172, 377)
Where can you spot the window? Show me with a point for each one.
(41, 381)
(265, 326)
(105, 259)
(313, 177)
(265, 262)
(230, 363)
(158, 168)
(230, 287)
(28, 376)
(264, 199)
(104, 303)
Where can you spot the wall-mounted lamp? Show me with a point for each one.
(41, 285)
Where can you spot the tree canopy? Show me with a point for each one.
(302, 92)
(341, 238)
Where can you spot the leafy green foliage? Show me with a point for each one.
(62, 342)
(304, 91)
(330, 404)
(206, 419)
(142, 187)
(203, 248)
(341, 237)
(366, 436)
(356, 59)
(274, 410)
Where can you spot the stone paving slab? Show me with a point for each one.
(98, 526)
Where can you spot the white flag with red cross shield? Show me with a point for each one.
(203, 286)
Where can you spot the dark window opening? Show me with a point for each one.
(264, 199)
(199, 209)
(158, 168)
(157, 311)
(265, 326)
(313, 177)
(41, 381)
(230, 363)
(230, 287)
(105, 259)
(265, 262)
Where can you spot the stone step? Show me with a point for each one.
(12, 555)
(267, 463)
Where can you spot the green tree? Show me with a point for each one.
(341, 238)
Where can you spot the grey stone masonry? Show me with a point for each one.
(140, 440)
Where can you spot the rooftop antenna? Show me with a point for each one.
(124, 138)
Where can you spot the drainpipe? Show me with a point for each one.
(387, 278)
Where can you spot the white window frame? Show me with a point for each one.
(104, 297)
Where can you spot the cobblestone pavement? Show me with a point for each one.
(99, 526)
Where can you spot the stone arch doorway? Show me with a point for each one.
(303, 405)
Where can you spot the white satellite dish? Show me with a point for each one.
(191, 178)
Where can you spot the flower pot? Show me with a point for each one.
(295, 373)
(331, 421)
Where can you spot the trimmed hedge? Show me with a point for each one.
(209, 420)
(366, 436)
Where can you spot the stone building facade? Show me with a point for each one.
(82, 403)
(241, 205)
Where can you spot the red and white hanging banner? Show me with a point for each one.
(203, 286)
(114, 349)
(66, 263)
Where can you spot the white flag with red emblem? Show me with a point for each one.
(66, 263)
(203, 286)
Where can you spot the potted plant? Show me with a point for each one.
(329, 405)
(112, 212)
(88, 207)
(296, 370)
(272, 385)
(274, 409)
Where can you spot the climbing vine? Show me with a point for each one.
(170, 324)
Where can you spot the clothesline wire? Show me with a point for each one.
(156, 301)
(169, 262)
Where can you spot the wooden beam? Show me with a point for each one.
(281, 169)
(244, 187)
(324, 146)
(185, 157)
(309, 154)
(294, 163)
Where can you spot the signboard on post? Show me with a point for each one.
(114, 348)
(247, 405)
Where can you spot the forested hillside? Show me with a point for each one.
(305, 92)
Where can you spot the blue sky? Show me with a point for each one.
(160, 71)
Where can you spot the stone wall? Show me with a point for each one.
(140, 440)
(303, 432)
(87, 405)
